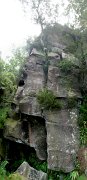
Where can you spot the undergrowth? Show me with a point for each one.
(3, 116)
(37, 164)
(82, 121)
(66, 66)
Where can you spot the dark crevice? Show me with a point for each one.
(21, 83)
(35, 134)
(1, 90)
(13, 106)
(25, 128)
(16, 154)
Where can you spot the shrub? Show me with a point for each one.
(16, 176)
(82, 121)
(83, 134)
(3, 170)
(66, 66)
(37, 164)
(71, 102)
(74, 175)
(47, 100)
(3, 115)
(82, 177)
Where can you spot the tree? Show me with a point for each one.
(75, 39)
(79, 8)
(44, 12)
(16, 62)
(10, 74)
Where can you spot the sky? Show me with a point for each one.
(16, 26)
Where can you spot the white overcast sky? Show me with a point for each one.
(15, 25)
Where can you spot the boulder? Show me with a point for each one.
(31, 133)
(30, 173)
(14, 131)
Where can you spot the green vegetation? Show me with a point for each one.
(83, 122)
(71, 102)
(74, 175)
(37, 164)
(82, 177)
(75, 41)
(42, 165)
(3, 115)
(7, 82)
(47, 100)
(17, 163)
(5, 175)
(53, 175)
(3, 172)
(9, 76)
(80, 11)
(15, 176)
(66, 66)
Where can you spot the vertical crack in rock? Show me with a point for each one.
(37, 137)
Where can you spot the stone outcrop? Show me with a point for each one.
(13, 130)
(37, 137)
(61, 84)
(62, 139)
(34, 135)
(53, 134)
(30, 173)
(26, 94)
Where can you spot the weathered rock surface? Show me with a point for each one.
(26, 95)
(14, 131)
(37, 137)
(62, 139)
(30, 173)
(34, 135)
(59, 83)
(59, 134)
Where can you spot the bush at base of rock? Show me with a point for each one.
(83, 177)
(16, 176)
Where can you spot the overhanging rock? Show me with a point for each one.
(30, 173)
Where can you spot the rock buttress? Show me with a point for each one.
(60, 130)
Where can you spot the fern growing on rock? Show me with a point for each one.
(47, 100)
